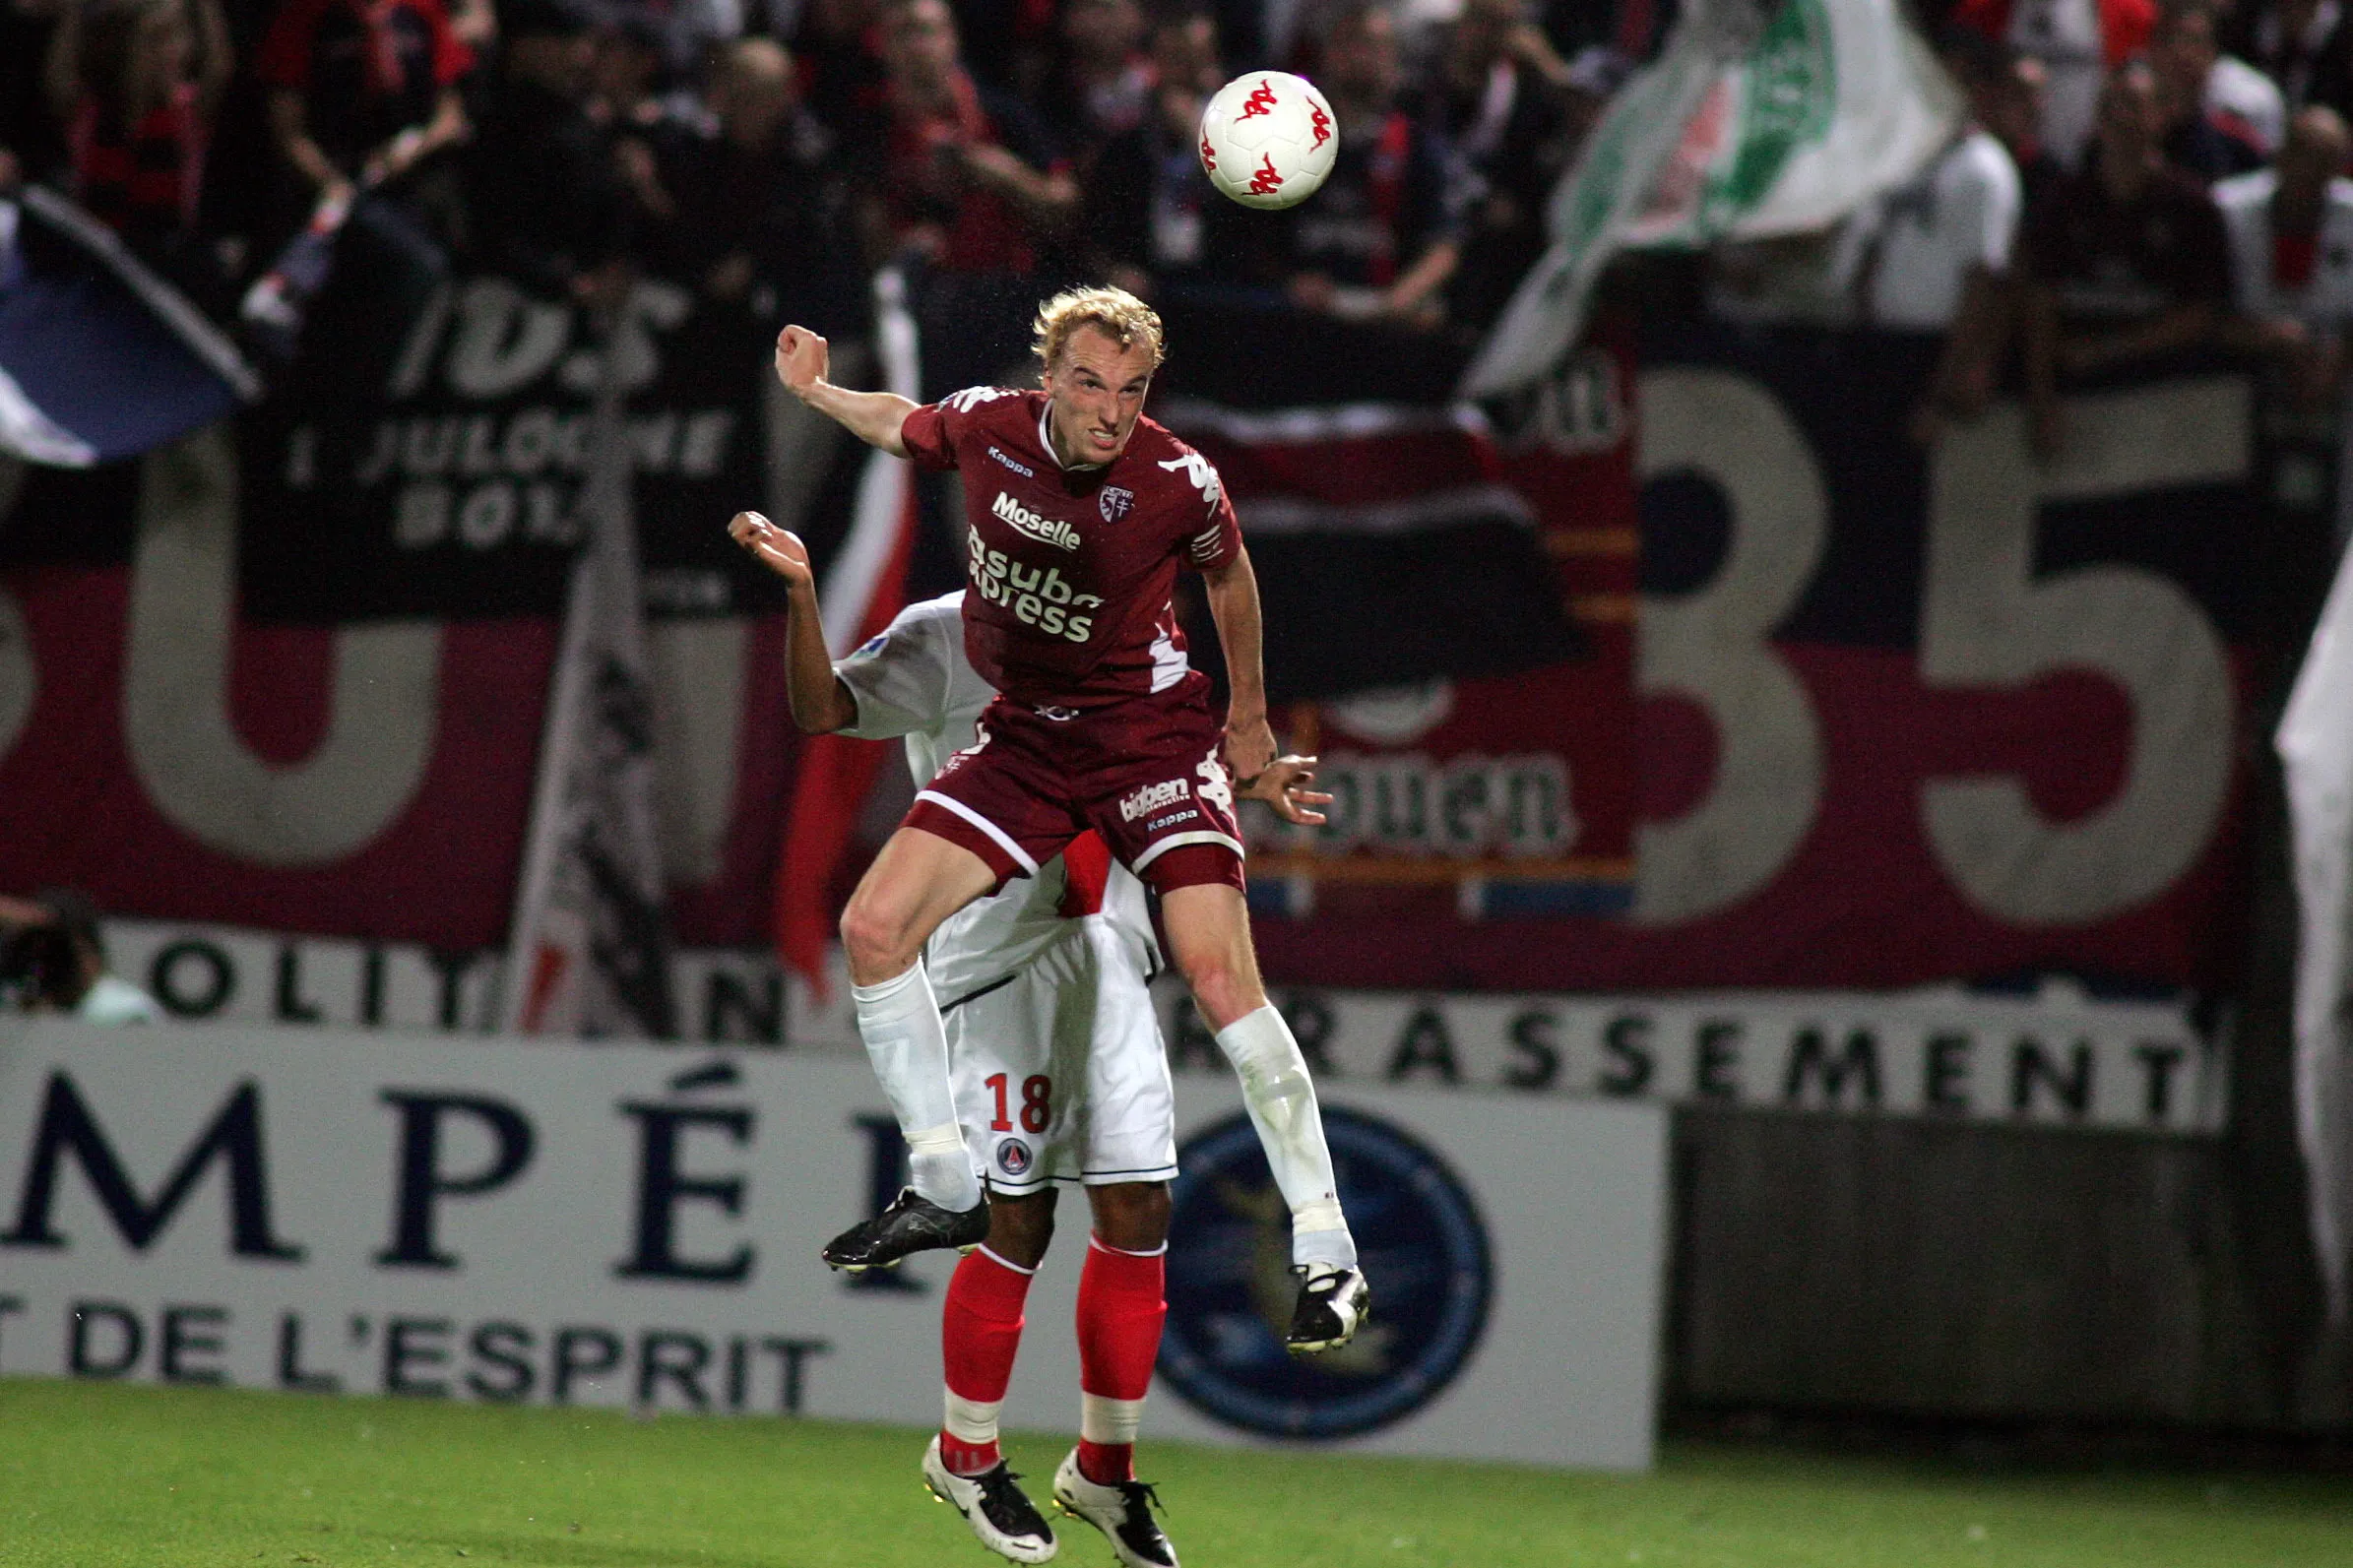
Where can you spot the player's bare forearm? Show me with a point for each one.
(821, 702)
(874, 417)
(1233, 591)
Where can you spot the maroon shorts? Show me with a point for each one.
(1144, 774)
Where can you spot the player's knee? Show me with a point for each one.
(873, 941)
(1223, 990)
(1021, 1229)
(1133, 1215)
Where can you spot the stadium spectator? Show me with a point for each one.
(2291, 238)
(759, 205)
(136, 88)
(1383, 237)
(1500, 94)
(362, 91)
(2077, 42)
(1933, 255)
(1105, 86)
(1152, 215)
(2128, 258)
(2008, 101)
(960, 173)
(2222, 116)
(53, 952)
(2304, 47)
(548, 203)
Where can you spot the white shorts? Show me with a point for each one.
(1059, 1072)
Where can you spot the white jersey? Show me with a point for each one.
(2325, 299)
(911, 681)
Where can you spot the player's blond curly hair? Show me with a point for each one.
(1113, 312)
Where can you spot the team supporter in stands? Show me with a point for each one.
(760, 204)
(1153, 218)
(1100, 724)
(548, 205)
(1383, 237)
(2127, 261)
(135, 89)
(1933, 255)
(963, 175)
(2078, 41)
(2305, 46)
(363, 93)
(1499, 96)
(2291, 237)
(2222, 115)
(1106, 84)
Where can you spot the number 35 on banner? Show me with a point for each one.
(1986, 622)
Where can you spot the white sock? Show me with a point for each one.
(908, 1050)
(1281, 1097)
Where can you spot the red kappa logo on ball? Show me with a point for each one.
(1260, 101)
(1263, 182)
(1208, 154)
(1321, 121)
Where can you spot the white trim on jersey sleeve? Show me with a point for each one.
(900, 678)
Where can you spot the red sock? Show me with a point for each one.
(1120, 1308)
(980, 1330)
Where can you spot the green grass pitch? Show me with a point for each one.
(96, 1477)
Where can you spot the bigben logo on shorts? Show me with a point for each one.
(1037, 597)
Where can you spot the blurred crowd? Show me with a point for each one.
(2136, 180)
(779, 150)
(2134, 177)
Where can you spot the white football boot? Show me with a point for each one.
(999, 1511)
(1122, 1511)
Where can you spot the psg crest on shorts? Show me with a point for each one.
(1230, 1290)
(1113, 502)
(1013, 1156)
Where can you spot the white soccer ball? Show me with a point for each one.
(1268, 139)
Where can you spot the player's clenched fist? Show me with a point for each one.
(802, 359)
(778, 549)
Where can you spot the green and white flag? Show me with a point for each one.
(1749, 125)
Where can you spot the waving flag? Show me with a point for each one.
(99, 359)
(590, 951)
(1758, 120)
(864, 586)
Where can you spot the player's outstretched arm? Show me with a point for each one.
(821, 703)
(874, 417)
(1233, 591)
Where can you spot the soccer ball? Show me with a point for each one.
(1268, 139)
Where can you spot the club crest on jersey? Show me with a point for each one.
(1152, 797)
(1114, 502)
(1013, 1156)
(1045, 529)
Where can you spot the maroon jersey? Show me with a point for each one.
(1072, 569)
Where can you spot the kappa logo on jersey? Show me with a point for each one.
(1037, 525)
(1037, 596)
(1198, 470)
(1022, 469)
(1152, 797)
(1214, 785)
(1230, 1292)
(972, 398)
(1114, 502)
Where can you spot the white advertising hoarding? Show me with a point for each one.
(627, 1226)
